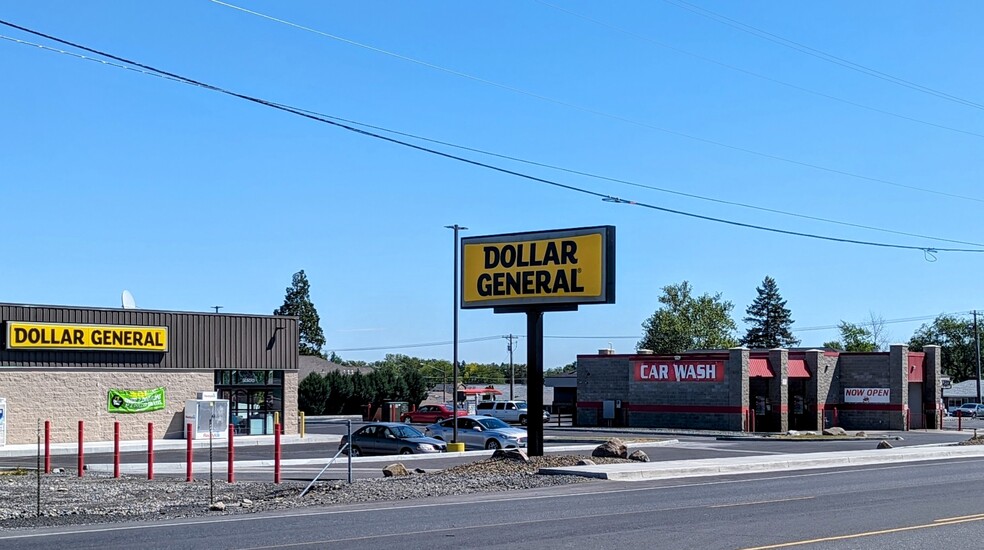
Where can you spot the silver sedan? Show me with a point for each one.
(479, 432)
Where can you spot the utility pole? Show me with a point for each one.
(512, 368)
(977, 350)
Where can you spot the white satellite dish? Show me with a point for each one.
(128, 302)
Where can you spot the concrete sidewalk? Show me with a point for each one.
(673, 469)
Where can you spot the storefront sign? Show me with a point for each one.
(136, 401)
(567, 266)
(867, 395)
(678, 371)
(27, 336)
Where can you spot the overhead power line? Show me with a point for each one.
(526, 161)
(755, 74)
(819, 54)
(929, 251)
(597, 112)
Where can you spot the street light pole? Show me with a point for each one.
(977, 350)
(454, 364)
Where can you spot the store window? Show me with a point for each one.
(254, 396)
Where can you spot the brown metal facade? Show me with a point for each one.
(196, 340)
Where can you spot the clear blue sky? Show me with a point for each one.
(115, 180)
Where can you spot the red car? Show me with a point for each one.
(429, 414)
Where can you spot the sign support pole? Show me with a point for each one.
(534, 382)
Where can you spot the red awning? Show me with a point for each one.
(481, 391)
(758, 367)
(797, 368)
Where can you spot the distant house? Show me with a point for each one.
(961, 392)
(311, 363)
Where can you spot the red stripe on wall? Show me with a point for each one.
(869, 407)
(713, 409)
(589, 404)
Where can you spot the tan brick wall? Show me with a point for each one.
(66, 396)
(290, 402)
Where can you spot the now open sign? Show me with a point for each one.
(867, 395)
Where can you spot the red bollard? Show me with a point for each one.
(188, 476)
(231, 476)
(116, 449)
(81, 464)
(47, 446)
(150, 450)
(960, 423)
(276, 453)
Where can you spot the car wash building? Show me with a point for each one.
(761, 390)
(134, 366)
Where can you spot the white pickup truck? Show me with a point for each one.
(507, 411)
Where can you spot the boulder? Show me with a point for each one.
(217, 506)
(613, 448)
(860, 434)
(585, 462)
(792, 432)
(419, 471)
(884, 445)
(511, 454)
(640, 456)
(395, 470)
(834, 431)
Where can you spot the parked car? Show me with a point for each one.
(951, 410)
(429, 414)
(973, 410)
(509, 411)
(390, 438)
(479, 432)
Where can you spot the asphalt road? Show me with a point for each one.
(915, 505)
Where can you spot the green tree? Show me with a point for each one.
(313, 394)
(771, 324)
(569, 368)
(853, 338)
(297, 302)
(475, 373)
(684, 322)
(955, 336)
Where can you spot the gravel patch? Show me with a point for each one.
(67, 499)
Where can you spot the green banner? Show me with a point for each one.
(136, 401)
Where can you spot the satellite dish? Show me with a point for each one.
(128, 302)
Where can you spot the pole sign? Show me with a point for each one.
(29, 336)
(136, 401)
(563, 267)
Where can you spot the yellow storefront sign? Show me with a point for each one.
(26, 336)
(569, 266)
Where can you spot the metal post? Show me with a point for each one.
(348, 431)
(211, 432)
(276, 453)
(81, 461)
(150, 450)
(38, 472)
(189, 475)
(454, 365)
(47, 446)
(512, 369)
(116, 449)
(977, 349)
(231, 457)
(534, 382)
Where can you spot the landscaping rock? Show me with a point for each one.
(884, 445)
(217, 506)
(585, 462)
(613, 448)
(639, 456)
(861, 434)
(395, 470)
(511, 454)
(834, 431)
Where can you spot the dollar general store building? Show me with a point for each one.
(65, 364)
(762, 390)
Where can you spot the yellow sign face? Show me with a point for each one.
(569, 266)
(27, 336)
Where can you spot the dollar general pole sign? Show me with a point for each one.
(539, 270)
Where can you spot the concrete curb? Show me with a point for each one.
(745, 465)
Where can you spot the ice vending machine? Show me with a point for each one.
(202, 413)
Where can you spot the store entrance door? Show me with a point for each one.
(250, 411)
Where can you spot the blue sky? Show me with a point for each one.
(116, 180)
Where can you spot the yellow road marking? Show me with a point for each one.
(937, 523)
(759, 502)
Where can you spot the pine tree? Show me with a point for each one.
(297, 302)
(770, 320)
